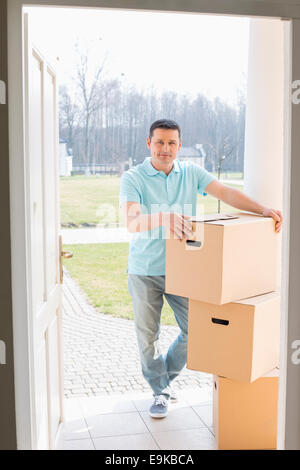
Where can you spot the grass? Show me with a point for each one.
(100, 269)
(94, 200)
(89, 200)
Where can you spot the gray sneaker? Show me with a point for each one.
(159, 408)
(173, 396)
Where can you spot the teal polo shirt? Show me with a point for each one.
(158, 192)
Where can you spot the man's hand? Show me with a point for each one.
(276, 215)
(177, 224)
(236, 198)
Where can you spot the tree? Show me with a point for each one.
(110, 123)
(90, 88)
(68, 114)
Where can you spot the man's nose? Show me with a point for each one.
(166, 147)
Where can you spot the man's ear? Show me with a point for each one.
(148, 142)
(180, 143)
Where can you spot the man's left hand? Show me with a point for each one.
(276, 215)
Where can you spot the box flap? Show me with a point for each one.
(272, 373)
(257, 299)
(232, 219)
(213, 217)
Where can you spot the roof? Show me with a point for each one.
(189, 152)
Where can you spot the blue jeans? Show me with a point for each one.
(147, 299)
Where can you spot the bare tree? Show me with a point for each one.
(68, 114)
(90, 89)
(115, 121)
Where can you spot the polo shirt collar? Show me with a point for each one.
(150, 170)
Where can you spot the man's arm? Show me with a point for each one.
(240, 200)
(177, 224)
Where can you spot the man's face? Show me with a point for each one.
(164, 145)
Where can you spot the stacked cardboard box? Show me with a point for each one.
(228, 272)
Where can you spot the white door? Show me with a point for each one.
(43, 244)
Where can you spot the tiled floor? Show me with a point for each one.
(122, 422)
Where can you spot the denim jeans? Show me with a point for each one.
(147, 299)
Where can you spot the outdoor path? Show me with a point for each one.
(101, 354)
(76, 236)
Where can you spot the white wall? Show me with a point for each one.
(263, 170)
(264, 113)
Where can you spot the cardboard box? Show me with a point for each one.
(236, 259)
(239, 340)
(245, 415)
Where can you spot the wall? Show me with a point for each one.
(7, 402)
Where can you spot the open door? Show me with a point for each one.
(43, 244)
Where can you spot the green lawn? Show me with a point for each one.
(100, 269)
(89, 200)
(94, 200)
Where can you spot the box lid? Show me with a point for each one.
(257, 299)
(213, 217)
(230, 219)
(272, 373)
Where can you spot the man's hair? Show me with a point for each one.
(164, 124)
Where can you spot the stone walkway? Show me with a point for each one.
(101, 354)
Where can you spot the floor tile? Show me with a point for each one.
(188, 439)
(104, 405)
(74, 429)
(81, 444)
(206, 413)
(198, 396)
(72, 409)
(115, 424)
(181, 418)
(129, 442)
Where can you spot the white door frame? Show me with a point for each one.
(288, 417)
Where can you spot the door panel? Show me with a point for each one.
(35, 160)
(42, 209)
(41, 399)
(50, 178)
(52, 345)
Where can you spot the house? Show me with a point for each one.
(65, 159)
(194, 154)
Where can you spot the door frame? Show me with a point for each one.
(289, 417)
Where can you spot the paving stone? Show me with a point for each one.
(101, 355)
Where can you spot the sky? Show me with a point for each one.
(186, 53)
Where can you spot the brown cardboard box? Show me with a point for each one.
(245, 415)
(237, 259)
(239, 340)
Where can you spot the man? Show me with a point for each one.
(149, 193)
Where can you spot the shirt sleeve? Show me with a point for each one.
(203, 178)
(128, 189)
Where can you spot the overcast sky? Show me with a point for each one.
(182, 52)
